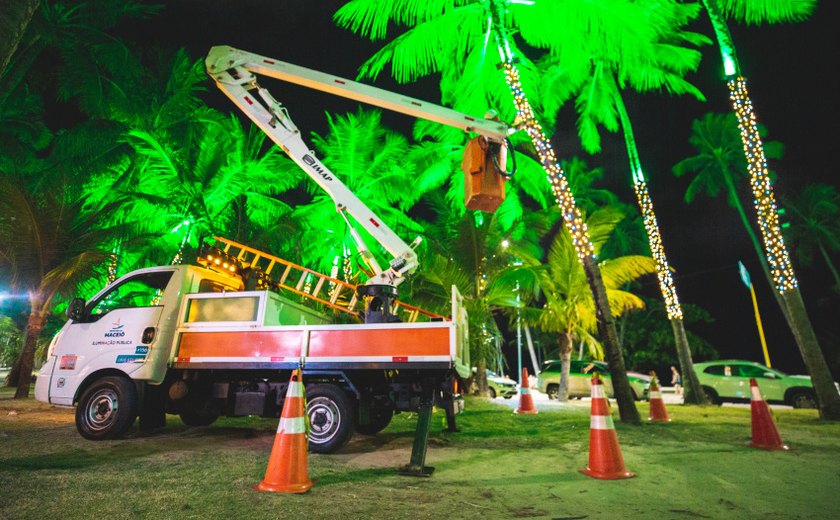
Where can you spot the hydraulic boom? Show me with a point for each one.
(235, 74)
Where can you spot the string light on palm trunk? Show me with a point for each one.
(559, 184)
(179, 255)
(663, 270)
(764, 200)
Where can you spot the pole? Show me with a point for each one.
(518, 336)
(760, 328)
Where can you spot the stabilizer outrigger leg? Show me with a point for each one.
(416, 466)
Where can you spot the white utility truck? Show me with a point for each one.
(221, 337)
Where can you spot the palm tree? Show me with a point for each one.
(206, 174)
(567, 307)
(757, 12)
(720, 166)
(14, 17)
(454, 40)
(467, 250)
(371, 161)
(660, 64)
(814, 217)
(53, 240)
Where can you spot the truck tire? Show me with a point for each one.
(330, 413)
(203, 415)
(380, 418)
(107, 408)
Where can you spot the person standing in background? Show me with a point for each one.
(676, 380)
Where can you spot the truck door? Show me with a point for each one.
(114, 332)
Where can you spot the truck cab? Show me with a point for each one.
(125, 330)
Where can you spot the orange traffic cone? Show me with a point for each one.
(287, 470)
(605, 460)
(764, 432)
(658, 413)
(526, 402)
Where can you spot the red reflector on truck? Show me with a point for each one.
(183, 360)
(399, 359)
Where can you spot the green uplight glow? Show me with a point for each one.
(728, 65)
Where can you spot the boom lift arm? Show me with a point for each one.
(235, 73)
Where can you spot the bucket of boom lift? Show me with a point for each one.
(484, 181)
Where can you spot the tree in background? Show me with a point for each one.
(563, 304)
(454, 40)
(370, 160)
(785, 282)
(814, 217)
(657, 64)
(53, 241)
(648, 337)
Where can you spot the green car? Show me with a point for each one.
(580, 379)
(729, 380)
(501, 386)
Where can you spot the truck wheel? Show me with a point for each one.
(107, 409)
(204, 414)
(330, 412)
(380, 418)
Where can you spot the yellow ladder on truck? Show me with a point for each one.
(323, 289)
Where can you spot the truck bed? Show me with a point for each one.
(260, 336)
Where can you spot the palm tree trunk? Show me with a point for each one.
(26, 360)
(606, 328)
(14, 17)
(827, 395)
(762, 260)
(482, 388)
(565, 366)
(774, 246)
(571, 218)
(693, 394)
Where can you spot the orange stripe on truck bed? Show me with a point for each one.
(395, 343)
(379, 342)
(240, 344)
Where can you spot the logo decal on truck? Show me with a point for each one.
(116, 331)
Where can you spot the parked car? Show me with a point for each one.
(501, 386)
(580, 379)
(729, 380)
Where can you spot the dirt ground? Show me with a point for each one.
(500, 465)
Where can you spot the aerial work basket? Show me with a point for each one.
(484, 165)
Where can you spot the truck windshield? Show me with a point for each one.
(144, 290)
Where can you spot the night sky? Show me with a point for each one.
(789, 75)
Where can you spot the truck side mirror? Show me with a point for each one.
(76, 309)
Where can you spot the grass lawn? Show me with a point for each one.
(500, 465)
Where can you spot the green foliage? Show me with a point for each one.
(814, 218)
(648, 338)
(11, 341)
(767, 11)
(564, 305)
